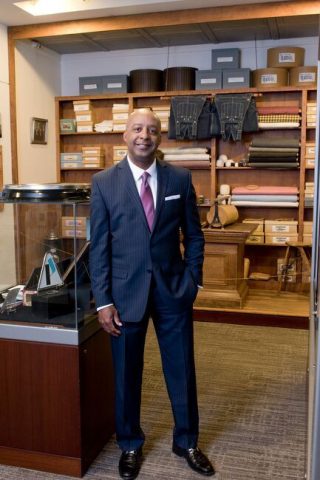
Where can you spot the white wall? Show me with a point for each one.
(253, 55)
(7, 257)
(5, 104)
(37, 83)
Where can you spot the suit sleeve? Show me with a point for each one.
(193, 239)
(100, 267)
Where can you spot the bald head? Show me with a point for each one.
(143, 113)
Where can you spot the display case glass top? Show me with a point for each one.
(44, 278)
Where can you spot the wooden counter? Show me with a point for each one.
(56, 403)
(223, 281)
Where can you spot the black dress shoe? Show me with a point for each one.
(129, 464)
(196, 459)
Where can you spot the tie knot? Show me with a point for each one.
(145, 177)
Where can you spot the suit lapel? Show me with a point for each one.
(131, 188)
(162, 180)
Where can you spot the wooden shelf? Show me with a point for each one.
(207, 180)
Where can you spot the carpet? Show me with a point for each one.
(252, 391)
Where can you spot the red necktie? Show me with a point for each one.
(147, 199)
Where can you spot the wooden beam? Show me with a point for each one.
(13, 114)
(180, 17)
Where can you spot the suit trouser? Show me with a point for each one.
(175, 337)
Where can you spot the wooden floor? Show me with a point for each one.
(263, 307)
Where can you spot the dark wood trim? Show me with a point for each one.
(41, 461)
(180, 17)
(251, 318)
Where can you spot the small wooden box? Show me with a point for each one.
(282, 226)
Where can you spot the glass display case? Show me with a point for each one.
(56, 365)
(44, 255)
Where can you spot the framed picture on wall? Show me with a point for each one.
(39, 130)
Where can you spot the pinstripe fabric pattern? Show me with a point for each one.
(125, 254)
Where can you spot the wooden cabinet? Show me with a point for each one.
(207, 180)
(57, 403)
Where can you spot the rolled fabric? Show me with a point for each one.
(275, 142)
(265, 190)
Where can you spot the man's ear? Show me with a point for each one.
(125, 136)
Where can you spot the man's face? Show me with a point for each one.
(142, 137)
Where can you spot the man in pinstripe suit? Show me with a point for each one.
(137, 272)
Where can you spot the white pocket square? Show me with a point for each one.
(171, 197)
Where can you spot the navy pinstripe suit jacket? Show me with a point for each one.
(125, 255)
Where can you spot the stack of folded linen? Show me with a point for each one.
(265, 196)
(187, 157)
(274, 153)
(104, 127)
(278, 116)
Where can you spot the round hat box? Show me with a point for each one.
(303, 76)
(286, 57)
(179, 78)
(146, 80)
(270, 77)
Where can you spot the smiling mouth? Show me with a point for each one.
(143, 145)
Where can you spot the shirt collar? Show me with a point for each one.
(137, 171)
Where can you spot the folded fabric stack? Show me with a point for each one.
(187, 157)
(309, 194)
(103, 127)
(265, 196)
(278, 117)
(274, 153)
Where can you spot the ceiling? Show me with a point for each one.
(161, 36)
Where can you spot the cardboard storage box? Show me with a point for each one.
(93, 160)
(81, 105)
(95, 150)
(307, 227)
(281, 226)
(270, 77)
(300, 76)
(310, 150)
(74, 221)
(71, 157)
(255, 238)
(90, 85)
(67, 125)
(119, 127)
(307, 238)
(70, 232)
(86, 116)
(285, 57)
(258, 221)
(208, 79)
(119, 151)
(225, 58)
(84, 127)
(234, 78)
(115, 83)
(280, 239)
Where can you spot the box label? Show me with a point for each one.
(287, 57)
(224, 59)
(269, 78)
(236, 80)
(307, 77)
(90, 86)
(114, 85)
(205, 81)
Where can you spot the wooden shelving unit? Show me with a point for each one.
(207, 181)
